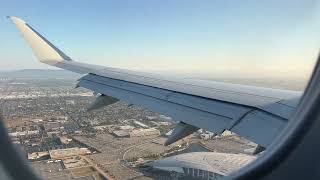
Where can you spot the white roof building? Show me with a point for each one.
(140, 124)
(63, 153)
(126, 127)
(199, 164)
(121, 133)
(144, 132)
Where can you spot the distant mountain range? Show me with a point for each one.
(39, 73)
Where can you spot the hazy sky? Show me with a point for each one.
(214, 37)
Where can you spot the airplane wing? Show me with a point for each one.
(258, 114)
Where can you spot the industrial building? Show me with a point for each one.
(121, 133)
(136, 132)
(52, 126)
(65, 139)
(63, 153)
(23, 133)
(138, 123)
(126, 127)
(38, 155)
(144, 132)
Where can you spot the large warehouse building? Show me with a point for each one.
(68, 152)
(144, 132)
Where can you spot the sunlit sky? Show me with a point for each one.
(210, 37)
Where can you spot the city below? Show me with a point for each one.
(46, 118)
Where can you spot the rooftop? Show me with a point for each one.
(63, 153)
(220, 163)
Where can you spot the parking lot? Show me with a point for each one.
(52, 170)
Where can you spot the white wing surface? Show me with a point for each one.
(258, 114)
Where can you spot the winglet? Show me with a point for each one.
(44, 50)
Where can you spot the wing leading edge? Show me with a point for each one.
(259, 114)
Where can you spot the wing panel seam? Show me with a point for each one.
(160, 99)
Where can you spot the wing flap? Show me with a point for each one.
(260, 127)
(177, 111)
